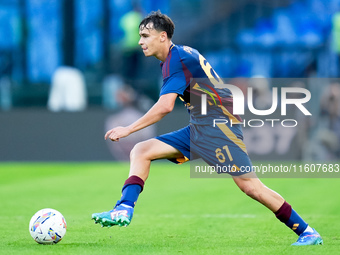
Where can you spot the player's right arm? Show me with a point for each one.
(162, 107)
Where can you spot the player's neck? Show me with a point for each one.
(165, 51)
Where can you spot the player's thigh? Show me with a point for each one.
(153, 149)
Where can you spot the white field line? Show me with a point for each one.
(230, 216)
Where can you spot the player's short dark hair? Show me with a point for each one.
(160, 21)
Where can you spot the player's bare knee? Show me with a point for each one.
(140, 150)
(136, 151)
(249, 191)
(252, 191)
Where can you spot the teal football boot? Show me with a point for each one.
(309, 238)
(121, 215)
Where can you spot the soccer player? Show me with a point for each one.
(220, 145)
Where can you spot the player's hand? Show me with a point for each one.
(116, 133)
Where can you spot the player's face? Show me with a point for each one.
(150, 40)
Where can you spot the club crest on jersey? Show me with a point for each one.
(187, 49)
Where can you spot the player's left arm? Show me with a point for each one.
(162, 107)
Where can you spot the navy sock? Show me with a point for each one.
(133, 186)
(288, 216)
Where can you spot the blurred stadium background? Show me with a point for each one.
(71, 69)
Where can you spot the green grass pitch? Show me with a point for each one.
(175, 214)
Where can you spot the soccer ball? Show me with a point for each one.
(47, 226)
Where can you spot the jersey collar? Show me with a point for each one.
(170, 48)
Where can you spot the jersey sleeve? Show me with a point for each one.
(175, 82)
